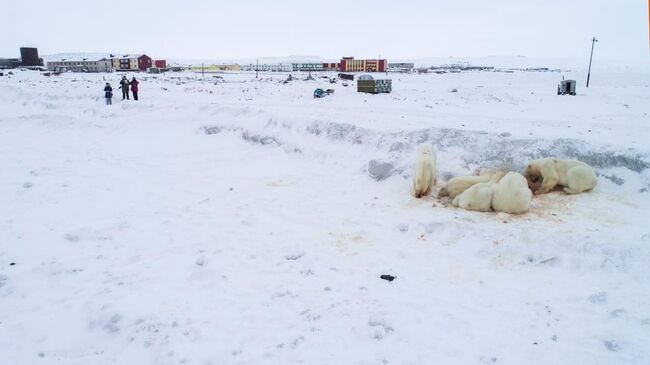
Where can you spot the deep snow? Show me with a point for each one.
(241, 221)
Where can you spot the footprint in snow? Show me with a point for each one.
(612, 345)
(600, 297)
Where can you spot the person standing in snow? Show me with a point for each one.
(124, 85)
(134, 88)
(108, 93)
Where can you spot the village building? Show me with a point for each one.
(139, 62)
(81, 65)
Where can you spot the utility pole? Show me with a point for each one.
(593, 41)
(257, 67)
(202, 72)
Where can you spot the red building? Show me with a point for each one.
(331, 66)
(160, 63)
(144, 62)
(349, 64)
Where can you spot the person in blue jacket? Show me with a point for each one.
(108, 93)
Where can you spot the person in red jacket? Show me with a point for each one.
(134, 88)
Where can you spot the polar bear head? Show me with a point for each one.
(534, 177)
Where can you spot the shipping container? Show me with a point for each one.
(368, 84)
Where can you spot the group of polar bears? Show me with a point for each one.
(509, 192)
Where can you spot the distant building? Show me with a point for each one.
(226, 67)
(29, 56)
(9, 63)
(125, 63)
(349, 64)
(160, 64)
(144, 62)
(132, 63)
(331, 66)
(307, 67)
(215, 68)
(83, 65)
(401, 66)
(278, 67)
(315, 66)
(230, 67)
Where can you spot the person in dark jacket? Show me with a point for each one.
(124, 85)
(134, 88)
(108, 93)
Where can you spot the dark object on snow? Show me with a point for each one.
(566, 87)
(346, 76)
(387, 277)
(319, 93)
(12, 263)
(379, 170)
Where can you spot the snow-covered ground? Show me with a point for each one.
(241, 221)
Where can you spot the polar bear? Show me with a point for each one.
(424, 176)
(478, 196)
(458, 185)
(543, 175)
(511, 194)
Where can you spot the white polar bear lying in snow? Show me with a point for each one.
(478, 196)
(511, 194)
(424, 176)
(458, 185)
(576, 176)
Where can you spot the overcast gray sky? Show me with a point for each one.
(394, 29)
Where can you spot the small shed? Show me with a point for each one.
(566, 87)
(372, 85)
